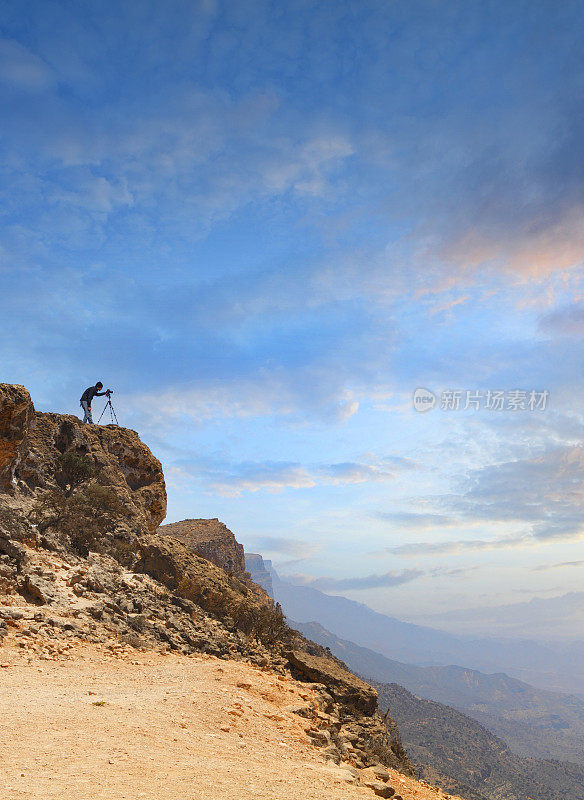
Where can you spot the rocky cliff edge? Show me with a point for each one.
(80, 559)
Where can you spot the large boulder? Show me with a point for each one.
(173, 564)
(345, 687)
(209, 539)
(195, 578)
(17, 417)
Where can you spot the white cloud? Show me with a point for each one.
(22, 69)
(385, 580)
(271, 478)
(297, 548)
(540, 496)
(233, 479)
(533, 249)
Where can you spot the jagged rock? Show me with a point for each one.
(345, 775)
(302, 709)
(377, 772)
(17, 417)
(171, 563)
(39, 588)
(209, 539)
(380, 788)
(344, 687)
(137, 621)
(31, 443)
(100, 579)
(349, 736)
(332, 754)
(11, 613)
(7, 571)
(321, 738)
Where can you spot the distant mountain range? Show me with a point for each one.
(533, 722)
(557, 667)
(483, 736)
(554, 618)
(460, 755)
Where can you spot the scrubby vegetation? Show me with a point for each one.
(80, 508)
(265, 622)
(72, 470)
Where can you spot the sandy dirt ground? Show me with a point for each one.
(104, 723)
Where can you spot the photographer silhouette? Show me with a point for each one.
(87, 397)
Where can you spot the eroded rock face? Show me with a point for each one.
(17, 417)
(31, 444)
(260, 574)
(209, 539)
(175, 566)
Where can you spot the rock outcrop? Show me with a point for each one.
(17, 417)
(343, 685)
(258, 569)
(32, 445)
(209, 539)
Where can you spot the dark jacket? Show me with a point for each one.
(90, 393)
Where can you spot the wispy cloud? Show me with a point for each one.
(567, 320)
(386, 580)
(415, 519)
(540, 496)
(378, 470)
(546, 567)
(22, 69)
(297, 548)
(232, 480)
(255, 478)
(460, 546)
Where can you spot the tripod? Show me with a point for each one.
(112, 412)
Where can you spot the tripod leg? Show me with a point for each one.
(112, 414)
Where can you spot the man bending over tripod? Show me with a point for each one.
(87, 397)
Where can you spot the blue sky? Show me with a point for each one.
(266, 224)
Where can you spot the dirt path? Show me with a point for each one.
(101, 726)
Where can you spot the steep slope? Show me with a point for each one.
(79, 562)
(460, 755)
(532, 722)
(127, 723)
(550, 667)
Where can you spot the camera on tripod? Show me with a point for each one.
(109, 406)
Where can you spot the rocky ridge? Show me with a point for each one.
(80, 559)
(209, 539)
